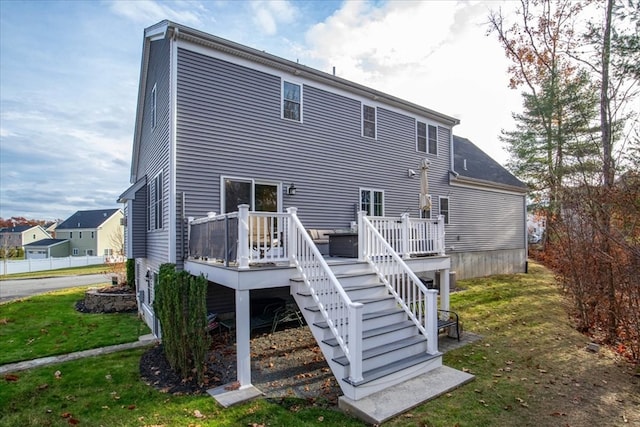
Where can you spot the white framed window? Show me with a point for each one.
(264, 196)
(427, 214)
(426, 138)
(372, 201)
(92, 235)
(79, 234)
(445, 209)
(155, 203)
(291, 101)
(71, 234)
(108, 252)
(154, 107)
(369, 115)
(89, 252)
(75, 252)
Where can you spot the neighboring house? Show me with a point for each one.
(269, 156)
(94, 232)
(51, 228)
(16, 237)
(47, 248)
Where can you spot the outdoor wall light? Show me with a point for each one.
(411, 173)
(292, 189)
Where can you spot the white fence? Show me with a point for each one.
(29, 265)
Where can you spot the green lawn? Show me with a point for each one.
(48, 325)
(531, 370)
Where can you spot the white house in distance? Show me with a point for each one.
(93, 232)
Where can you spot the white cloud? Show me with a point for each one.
(267, 15)
(148, 12)
(435, 54)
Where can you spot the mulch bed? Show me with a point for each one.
(286, 363)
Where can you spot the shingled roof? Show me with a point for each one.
(46, 242)
(87, 219)
(474, 164)
(16, 228)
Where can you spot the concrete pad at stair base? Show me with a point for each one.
(386, 404)
(233, 397)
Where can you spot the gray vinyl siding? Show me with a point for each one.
(229, 124)
(484, 220)
(155, 146)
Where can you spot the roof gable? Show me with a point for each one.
(17, 228)
(471, 162)
(87, 219)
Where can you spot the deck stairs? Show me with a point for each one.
(394, 350)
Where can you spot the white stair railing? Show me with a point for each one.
(411, 294)
(343, 316)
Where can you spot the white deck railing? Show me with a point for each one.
(411, 236)
(411, 294)
(343, 316)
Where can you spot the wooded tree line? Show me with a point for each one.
(577, 145)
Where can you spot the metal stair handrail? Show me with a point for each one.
(343, 316)
(410, 293)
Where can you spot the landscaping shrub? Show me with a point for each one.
(180, 303)
(131, 272)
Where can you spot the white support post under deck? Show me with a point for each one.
(444, 290)
(243, 237)
(243, 336)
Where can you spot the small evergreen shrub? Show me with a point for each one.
(180, 304)
(131, 272)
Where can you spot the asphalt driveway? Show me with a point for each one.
(13, 289)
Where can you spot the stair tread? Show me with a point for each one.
(376, 331)
(366, 316)
(360, 300)
(374, 374)
(385, 348)
(359, 287)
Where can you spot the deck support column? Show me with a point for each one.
(243, 336)
(444, 290)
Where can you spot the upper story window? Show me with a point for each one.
(71, 234)
(372, 201)
(92, 235)
(154, 107)
(79, 234)
(291, 101)
(444, 209)
(368, 121)
(427, 138)
(154, 204)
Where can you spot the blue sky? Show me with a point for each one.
(69, 78)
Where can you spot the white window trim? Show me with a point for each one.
(75, 252)
(371, 190)
(284, 80)
(153, 203)
(253, 183)
(448, 216)
(375, 123)
(427, 124)
(154, 107)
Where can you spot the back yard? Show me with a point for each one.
(532, 369)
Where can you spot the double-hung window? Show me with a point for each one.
(372, 201)
(444, 208)
(368, 121)
(426, 138)
(291, 101)
(155, 195)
